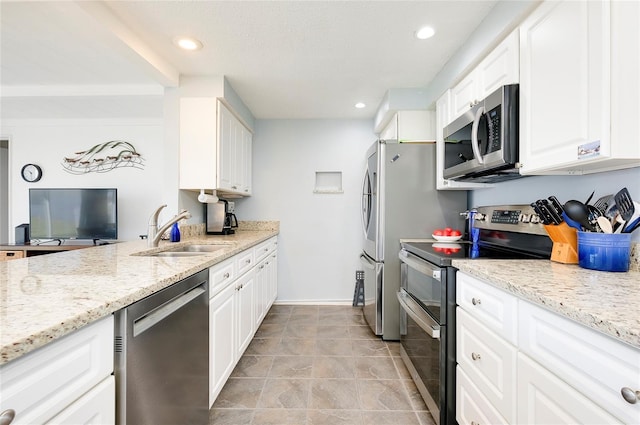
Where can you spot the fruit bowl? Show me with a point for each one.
(447, 238)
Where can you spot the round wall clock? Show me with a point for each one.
(31, 173)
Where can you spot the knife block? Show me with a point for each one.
(565, 243)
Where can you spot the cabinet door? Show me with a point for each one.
(98, 406)
(222, 340)
(244, 311)
(489, 361)
(472, 407)
(500, 67)
(564, 87)
(545, 399)
(198, 143)
(260, 292)
(273, 279)
(463, 96)
(246, 160)
(226, 147)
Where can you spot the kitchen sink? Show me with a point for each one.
(186, 250)
(197, 248)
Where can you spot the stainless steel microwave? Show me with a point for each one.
(482, 145)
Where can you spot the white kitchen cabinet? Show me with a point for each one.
(564, 372)
(578, 64)
(442, 119)
(498, 68)
(222, 339)
(272, 270)
(42, 384)
(241, 294)
(546, 399)
(215, 148)
(410, 126)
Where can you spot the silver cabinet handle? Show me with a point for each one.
(7, 416)
(248, 261)
(631, 397)
(475, 356)
(226, 275)
(475, 423)
(475, 301)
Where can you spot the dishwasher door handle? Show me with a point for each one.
(147, 321)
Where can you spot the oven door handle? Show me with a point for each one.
(423, 320)
(419, 264)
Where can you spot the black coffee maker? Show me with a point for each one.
(220, 218)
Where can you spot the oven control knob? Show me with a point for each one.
(535, 219)
(480, 217)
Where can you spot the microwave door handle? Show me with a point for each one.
(474, 135)
(423, 320)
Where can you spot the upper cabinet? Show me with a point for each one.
(579, 87)
(499, 68)
(215, 148)
(410, 126)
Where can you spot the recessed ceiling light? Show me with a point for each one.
(187, 43)
(360, 105)
(424, 33)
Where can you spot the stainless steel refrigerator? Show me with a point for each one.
(399, 201)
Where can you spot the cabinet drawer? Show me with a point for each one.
(471, 406)
(244, 261)
(596, 365)
(545, 399)
(221, 275)
(493, 307)
(41, 384)
(489, 361)
(98, 406)
(11, 255)
(262, 250)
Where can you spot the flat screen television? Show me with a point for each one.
(73, 213)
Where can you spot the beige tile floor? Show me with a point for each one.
(315, 365)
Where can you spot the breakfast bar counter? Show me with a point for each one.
(43, 298)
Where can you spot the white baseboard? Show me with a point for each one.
(313, 302)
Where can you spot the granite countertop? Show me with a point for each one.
(45, 297)
(605, 301)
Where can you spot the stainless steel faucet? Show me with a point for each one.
(153, 233)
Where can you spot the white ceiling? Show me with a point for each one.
(285, 59)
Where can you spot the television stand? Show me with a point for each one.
(13, 252)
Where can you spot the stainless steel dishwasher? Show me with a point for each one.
(162, 356)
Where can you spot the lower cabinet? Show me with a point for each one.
(525, 364)
(247, 288)
(67, 381)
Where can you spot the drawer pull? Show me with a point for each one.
(7, 416)
(475, 301)
(475, 356)
(475, 423)
(226, 275)
(629, 395)
(248, 261)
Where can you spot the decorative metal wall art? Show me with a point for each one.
(104, 157)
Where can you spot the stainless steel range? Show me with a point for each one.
(427, 294)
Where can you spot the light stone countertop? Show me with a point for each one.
(45, 297)
(605, 301)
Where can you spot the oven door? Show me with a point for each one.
(423, 333)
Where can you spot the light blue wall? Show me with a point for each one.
(528, 189)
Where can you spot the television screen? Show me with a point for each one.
(73, 213)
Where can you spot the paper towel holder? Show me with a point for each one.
(208, 199)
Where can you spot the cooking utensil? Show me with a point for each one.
(632, 226)
(579, 212)
(556, 205)
(624, 204)
(603, 203)
(604, 224)
(589, 198)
